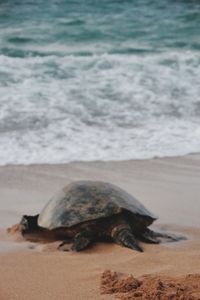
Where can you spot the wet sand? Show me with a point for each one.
(169, 187)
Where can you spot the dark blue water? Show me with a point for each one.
(86, 80)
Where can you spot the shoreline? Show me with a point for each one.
(192, 155)
(169, 187)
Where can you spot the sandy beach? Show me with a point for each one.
(169, 187)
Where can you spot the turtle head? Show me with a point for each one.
(29, 223)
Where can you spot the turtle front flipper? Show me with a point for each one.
(123, 236)
(81, 241)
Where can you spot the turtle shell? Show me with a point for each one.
(82, 201)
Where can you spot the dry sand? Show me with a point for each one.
(169, 187)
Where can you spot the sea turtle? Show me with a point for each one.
(88, 211)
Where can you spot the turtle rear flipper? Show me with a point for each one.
(150, 236)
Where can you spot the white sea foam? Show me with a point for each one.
(56, 109)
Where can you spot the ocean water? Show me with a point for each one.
(98, 80)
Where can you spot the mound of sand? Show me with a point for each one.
(151, 287)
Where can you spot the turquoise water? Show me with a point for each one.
(38, 28)
(88, 80)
